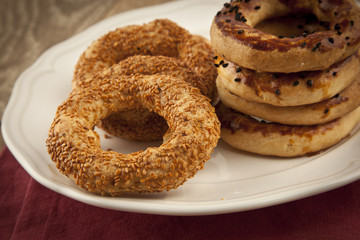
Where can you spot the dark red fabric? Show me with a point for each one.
(30, 211)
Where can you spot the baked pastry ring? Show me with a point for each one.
(246, 133)
(233, 31)
(194, 130)
(290, 89)
(316, 113)
(158, 38)
(141, 124)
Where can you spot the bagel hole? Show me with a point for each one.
(292, 26)
(128, 122)
(109, 142)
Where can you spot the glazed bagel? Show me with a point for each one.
(193, 133)
(316, 113)
(233, 32)
(245, 133)
(141, 49)
(290, 89)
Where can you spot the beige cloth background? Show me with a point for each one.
(28, 28)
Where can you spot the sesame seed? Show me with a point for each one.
(240, 31)
(237, 79)
(326, 111)
(331, 40)
(295, 83)
(352, 22)
(309, 82)
(316, 46)
(238, 16)
(238, 70)
(257, 7)
(280, 36)
(225, 65)
(277, 92)
(303, 44)
(334, 74)
(216, 57)
(337, 26)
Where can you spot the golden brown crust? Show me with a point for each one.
(232, 32)
(141, 49)
(140, 124)
(290, 89)
(193, 133)
(245, 133)
(316, 113)
(160, 37)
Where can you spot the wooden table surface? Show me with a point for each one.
(28, 28)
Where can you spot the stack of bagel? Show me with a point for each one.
(292, 88)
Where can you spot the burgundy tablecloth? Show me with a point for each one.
(30, 211)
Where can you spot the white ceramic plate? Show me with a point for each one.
(231, 180)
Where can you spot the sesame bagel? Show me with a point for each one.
(315, 113)
(235, 37)
(141, 124)
(162, 37)
(193, 133)
(247, 134)
(290, 89)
